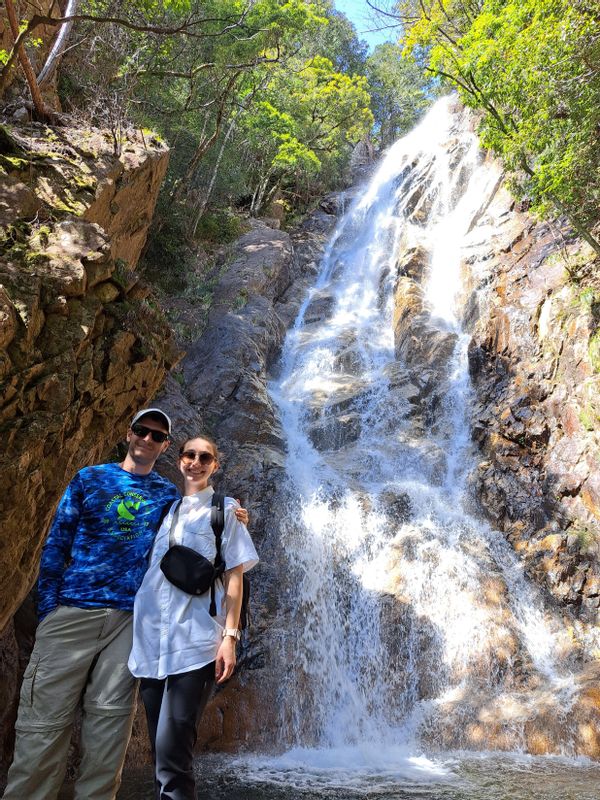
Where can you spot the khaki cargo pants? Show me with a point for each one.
(79, 654)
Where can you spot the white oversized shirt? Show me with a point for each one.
(173, 631)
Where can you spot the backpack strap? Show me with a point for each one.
(217, 521)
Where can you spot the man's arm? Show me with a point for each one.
(57, 549)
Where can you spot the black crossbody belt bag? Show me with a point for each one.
(189, 570)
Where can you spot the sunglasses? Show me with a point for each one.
(142, 431)
(189, 456)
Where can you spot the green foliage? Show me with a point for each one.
(169, 257)
(219, 227)
(586, 538)
(533, 68)
(594, 351)
(400, 92)
(257, 101)
(306, 126)
(338, 40)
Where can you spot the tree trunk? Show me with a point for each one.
(206, 198)
(259, 195)
(57, 48)
(36, 96)
(205, 143)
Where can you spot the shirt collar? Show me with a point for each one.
(199, 498)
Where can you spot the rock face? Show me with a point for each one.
(531, 303)
(535, 367)
(80, 349)
(225, 395)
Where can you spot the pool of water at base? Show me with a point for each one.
(301, 775)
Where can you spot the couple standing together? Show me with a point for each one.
(101, 561)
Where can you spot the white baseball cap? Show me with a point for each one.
(158, 411)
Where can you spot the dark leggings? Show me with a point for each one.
(173, 707)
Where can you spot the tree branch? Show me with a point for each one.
(36, 96)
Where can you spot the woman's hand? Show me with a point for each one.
(225, 662)
(241, 514)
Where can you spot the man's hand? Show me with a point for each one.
(241, 514)
(225, 662)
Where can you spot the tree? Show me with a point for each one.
(399, 92)
(532, 67)
(306, 127)
(338, 41)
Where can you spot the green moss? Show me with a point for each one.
(594, 351)
(40, 237)
(14, 162)
(241, 299)
(84, 182)
(588, 296)
(586, 538)
(33, 258)
(121, 274)
(589, 418)
(148, 133)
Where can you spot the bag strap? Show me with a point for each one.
(174, 523)
(217, 521)
(164, 511)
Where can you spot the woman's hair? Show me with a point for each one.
(208, 439)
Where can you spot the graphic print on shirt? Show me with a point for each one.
(121, 515)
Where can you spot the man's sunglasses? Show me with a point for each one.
(189, 456)
(142, 431)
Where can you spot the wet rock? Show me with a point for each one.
(319, 308)
(224, 393)
(335, 431)
(412, 263)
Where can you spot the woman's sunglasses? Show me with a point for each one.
(142, 431)
(189, 456)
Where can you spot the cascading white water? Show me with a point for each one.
(402, 602)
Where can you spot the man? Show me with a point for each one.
(92, 565)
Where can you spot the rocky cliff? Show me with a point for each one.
(534, 360)
(81, 346)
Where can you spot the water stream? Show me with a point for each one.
(413, 631)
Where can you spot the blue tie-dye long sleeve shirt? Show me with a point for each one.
(97, 550)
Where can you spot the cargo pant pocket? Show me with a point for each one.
(28, 684)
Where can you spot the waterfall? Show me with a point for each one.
(410, 618)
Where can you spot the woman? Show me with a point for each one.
(179, 649)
